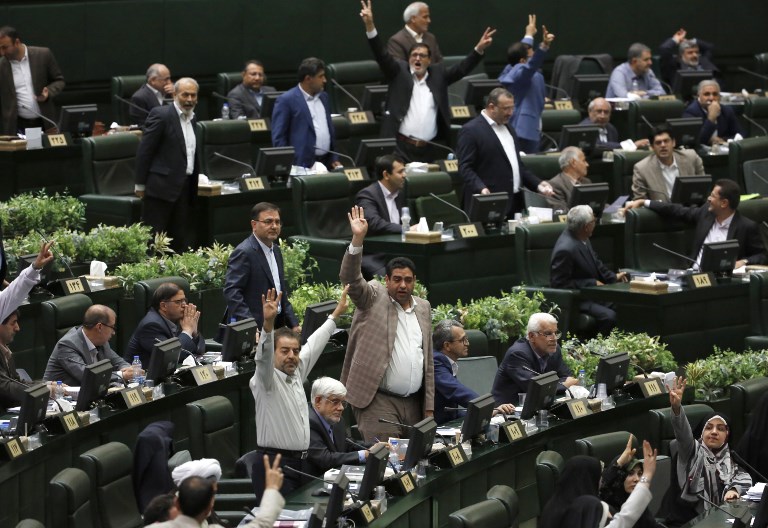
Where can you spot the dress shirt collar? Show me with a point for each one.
(88, 343)
(286, 378)
(422, 80)
(390, 195)
(181, 113)
(418, 37)
(406, 310)
(725, 224)
(454, 366)
(267, 249)
(154, 90)
(254, 92)
(328, 427)
(24, 58)
(308, 97)
(667, 167)
(491, 121)
(171, 324)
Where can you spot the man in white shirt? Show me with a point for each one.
(417, 20)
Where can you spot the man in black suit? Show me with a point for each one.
(575, 264)
(599, 114)
(246, 98)
(716, 220)
(12, 387)
(678, 53)
(170, 316)
(489, 160)
(255, 267)
(167, 167)
(152, 94)
(382, 202)
(417, 101)
(719, 121)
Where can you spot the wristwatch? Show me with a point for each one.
(644, 479)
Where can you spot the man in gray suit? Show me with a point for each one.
(573, 172)
(85, 345)
(246, 98)
(29, 80)
(388, 368)
(417, 20)
(654, 177)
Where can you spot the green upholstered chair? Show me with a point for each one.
(756, 177)
(757, 110)
(660, 433)
(549, 465)
(354, 76)
(109, 173)
(33, 523)
(124, 86)
(69, 500)
(231, 138)
(225, 81)
(109, 468)
(656, 112)
(213, 432)
(508, 497)
(552, 122)
(744, 398)
(543, 166)
(623, 166)
(606, 446)
(642, 229)
(418, 187)
(758, 308)
(755, 209)
(490, 513)
(742, 151)
(477, 372)
(60, 314)
(478, 342)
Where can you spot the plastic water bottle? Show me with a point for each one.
(59, 392)
(394, 459)
(225, 111)
(635, 85)
(405, 220)
(582, 379)
(136, 369)
(381, 496)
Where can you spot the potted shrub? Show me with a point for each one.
(26, 213)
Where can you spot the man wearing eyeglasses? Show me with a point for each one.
(530, 356)
(85, 345)
(169, 316)
(255, 267)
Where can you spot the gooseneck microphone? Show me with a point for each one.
(347, 93)
(382, 420)
(233, 160)
(434, 144)
(744, 463)
(449, 204)
(689, 259)
(559, 90)
(129, 103)
(340, 154)
(755, 123)
(293, 470)
(41, 116)
(740, 521)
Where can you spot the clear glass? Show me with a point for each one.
(543, 418)
(158, 392)
(520, 400)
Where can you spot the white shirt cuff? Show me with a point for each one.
(354, 250)
(371, 34)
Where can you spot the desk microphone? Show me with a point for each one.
(455, 408)
(529, 369)
(752, 73)
(41, 116)
(329, 151)
(555, 143)
(361, 446)
(449, 204)
(458, 97)
(755, 123)
(129, 103)
(382, 420)
(651, 128)
(452, 154)
(307, 474)
(667, 86)
(224, 98)
(251, 170)
(689, 259)
(744, 463)
(638, 367)
(740, 521)
(347, 93)
(560, 90)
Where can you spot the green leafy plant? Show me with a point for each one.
(297, 263)
(726, 367)
(26, 212)
(308, 294)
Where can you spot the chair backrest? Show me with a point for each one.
(144, 290)
(457, 90)
(228, 137)
(478, 342)
(744, 398)
(642, 229)
(543, 166)
(124, 86)
(743, 151)
(225, 81)
(660, 432)
(755, 209)
(478, 372)
(490, 513)
(419, 185)
(213, 432)
(60, 314)
(533, 251)
(109, 468)
(549, 465)
(656, 112)
(69, 505)
(623, 166)
(552, 122)
(756, 177)
(508, 497)
(317, 203)
(757, 110)
(109, 164)
(606, 446)
(354, 76)
(758, 303)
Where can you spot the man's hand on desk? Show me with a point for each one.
(139, 194)
(622, 276)
(485, 190)
(634, 204)
(570, 381)
(506, 408)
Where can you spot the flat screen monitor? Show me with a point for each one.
(477, 92)
(34, 403)
(314, 317)
(375, 99)
(589, 86)
(490, 209)
(761, 516)
(612, 370)
(685, 131)
(77, 120)
(583, 136)
(686, 82)
(420, 442)
(375, 466)
(275, 162)
(239, 339)
(479, 413)
(592, 194)
(336, 500)
(268, 103)
(96, 378)
(370, 149)
(720, 257)
(164, 360)
(540, 394)
(691, 190)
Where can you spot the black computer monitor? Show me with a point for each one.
(370, 149)
(96, 378)
(490, 209)
(691, 190)
(612, 370)
(685, 131)
(592, 194)
(268, 103)
(375, 98)
(34, 403)
(583, 136)
(77, 120)
(686, 82)
(589, 86)
(476, 93)
(419, 443)
(314, 317)
(275, 162)
(720, 257)
(239, 339)
(164, 360)
(479, 414)
(761, 517)
(336, 500)
(375, 466)
(540, 394)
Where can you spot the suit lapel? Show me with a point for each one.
(493, 139)
(261, 258)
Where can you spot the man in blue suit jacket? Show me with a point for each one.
(489, 157)
(255, 266)
(451, 343)
(302, 118)
(523, 79)
(720, 123)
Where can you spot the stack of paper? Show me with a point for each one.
(756, 492)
